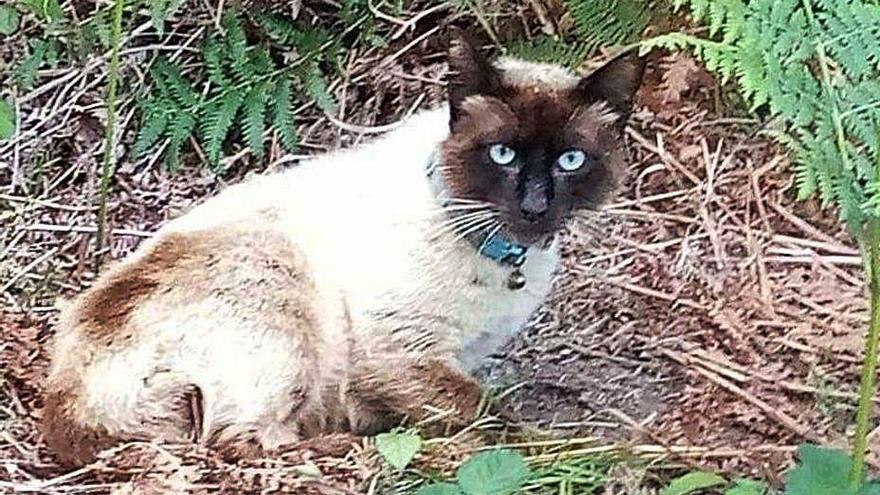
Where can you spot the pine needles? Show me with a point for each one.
(243, 78)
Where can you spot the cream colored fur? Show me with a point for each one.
(369, 229)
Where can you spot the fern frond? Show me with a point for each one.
(212, 53)
(236, 44)
(282, 101)
(254, 119)
(550, 50)
(316, 88)
(155, 122)
(608, 22)
(259, 63)
(815, 64)
(218, 118)
(26, 72)
(171, 82)
(179, 129)
(246, 80)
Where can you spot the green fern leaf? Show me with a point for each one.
(160, 10)
(236, 45)
(155, 122)
(170, 82)
(316, 87)
(216, 122)
(815, 64)
(26, 73)
(213, 55)
(179, 129)
(260, 63)
(307, 42)
(254, 123)
(282, 102)
(608, 22)
(550, 50)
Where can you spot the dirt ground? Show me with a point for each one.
(705, 316)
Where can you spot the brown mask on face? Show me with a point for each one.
(535, 141)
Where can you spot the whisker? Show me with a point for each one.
(486, 224)
(462, 222)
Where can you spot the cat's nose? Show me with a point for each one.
(534, 205)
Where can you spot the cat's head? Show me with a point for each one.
(535, 142)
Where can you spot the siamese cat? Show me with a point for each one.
(353, 290)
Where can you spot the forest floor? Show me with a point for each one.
(705, 318)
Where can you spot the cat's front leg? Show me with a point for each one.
(382, 396)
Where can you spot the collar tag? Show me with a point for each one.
(503, 250)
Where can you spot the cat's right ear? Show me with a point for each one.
(469, 72)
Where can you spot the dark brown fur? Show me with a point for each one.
(540, 124)
(259, 271)
(73, 444)
(408, 390)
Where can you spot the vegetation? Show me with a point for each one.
(814, 65)
(245, 85)
(596, 23)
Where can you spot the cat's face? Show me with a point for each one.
(536, 143)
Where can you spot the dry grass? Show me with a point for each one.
(705, 318)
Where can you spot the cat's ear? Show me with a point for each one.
(615, 82)
(469, 72)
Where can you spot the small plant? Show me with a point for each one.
(245, 86)
(596, 23)
(701, 481)
(824, 471)
(398, 448)
(9, 20)
(500, 472)
(814, 65)
(550, 50)
(7, 119)
(108, 163)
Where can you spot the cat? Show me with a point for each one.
(353, 290)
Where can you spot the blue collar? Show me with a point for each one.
(494, 245)
(497, 246)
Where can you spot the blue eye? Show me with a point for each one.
(502, 154)
(572, 160)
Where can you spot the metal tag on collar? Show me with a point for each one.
(503, 250)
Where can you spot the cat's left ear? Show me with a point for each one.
(470, 73)
(615, 82)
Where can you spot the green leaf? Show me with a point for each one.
(155, 123)
(283, 115)
(747, 487)
(47, 10)
(160, 10)
(254, 119)
(26, 73)
(9, 20)
(439, 489)
(7, 119)
(501, 472)
(398, 448)
(178, 130)
(316, 88)
(871, 488)
(219, 116)
(821, 471)
(692, 483)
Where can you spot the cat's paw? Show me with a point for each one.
(452, 389)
